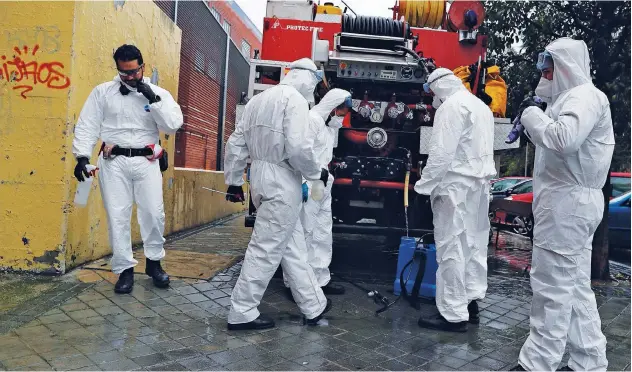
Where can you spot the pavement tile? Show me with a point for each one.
(105, 357)
(489, 363)
(71, 362)
(138, 351)
(199, 363)
(150, 360)
(287, 366)
(165, 346)
(24, 361)
(181, 353)
(55, 318)
(395, 365)
(196, 297)
(434, 366)
(120, 365)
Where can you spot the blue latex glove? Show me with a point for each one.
(305, 192)
(516, 131)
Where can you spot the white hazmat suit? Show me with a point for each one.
(274, 133)
(460, 165)
(129, 122)
(316, 216)
(574, 145)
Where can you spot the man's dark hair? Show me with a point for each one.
(127, 53)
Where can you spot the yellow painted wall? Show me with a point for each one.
(40, 228)
(32, 137)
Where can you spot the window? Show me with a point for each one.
(245, 48)
(213, 70)
(199, 61)
(523, 188)
(620, 185)
(215, 14)
(226, 27)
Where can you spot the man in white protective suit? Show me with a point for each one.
(574, 144)
(456, 176)
(325, 120)
(127, 115)
(274, 133)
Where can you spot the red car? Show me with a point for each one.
(620, 182)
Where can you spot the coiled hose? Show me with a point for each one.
(423, 13)
(378, 26)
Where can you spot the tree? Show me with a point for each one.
(519, 30)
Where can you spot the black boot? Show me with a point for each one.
(518, 368)
(438, 322)
(125, 282)
(472, 308)
(565, 368)
(333, 289)
(314, 321)
(262, 322)
(160, 277)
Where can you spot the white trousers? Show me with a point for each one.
(563, 308)
(461, 230)
(317, 222)
(277, 238)
(124, 181)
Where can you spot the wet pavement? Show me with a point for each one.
(85, 326)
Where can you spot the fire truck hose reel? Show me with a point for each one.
(378, 26)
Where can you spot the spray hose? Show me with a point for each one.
(423, 13)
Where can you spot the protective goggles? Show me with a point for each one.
(348, 102)
(545, 60)
(130, 72)
(318, 73)
(427, 85)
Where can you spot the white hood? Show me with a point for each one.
(571, 63)
(330, 101)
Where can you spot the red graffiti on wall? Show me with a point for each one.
(26, 72)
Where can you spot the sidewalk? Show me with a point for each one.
(80, 324)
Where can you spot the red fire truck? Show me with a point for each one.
(383, 62)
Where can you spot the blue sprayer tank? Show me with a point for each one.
(407, 249)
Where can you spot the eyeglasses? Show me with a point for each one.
(318, 73)
(130, 72)
(427, 85)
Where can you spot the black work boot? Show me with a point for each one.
(125, 282)
(262, 322)
(438, 322)
(314, 321)
(472, 309)
(160, 277)
(518, 368)
(333, 289)
(565, 368)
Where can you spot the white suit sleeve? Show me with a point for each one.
(299, 138)
(235, 157)
(88, 128)
(446, 132)
(575, 121)
(167, 113)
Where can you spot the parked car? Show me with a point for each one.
(522, 186)
(619, 221)
(501, 184)
(620, 185)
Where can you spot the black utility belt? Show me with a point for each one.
(120, 151)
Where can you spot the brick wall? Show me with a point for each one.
(202, 69)
(241, 28)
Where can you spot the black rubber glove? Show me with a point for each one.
(81, 170)
(237, 194)
(145, 89)
(324, 176)
(530, 102)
